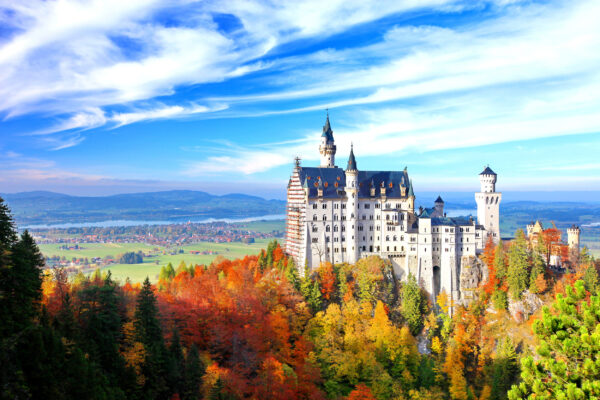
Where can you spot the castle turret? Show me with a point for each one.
(352, 208)
(327, 147)
(439, 206)
(573, 238)
(488, 204)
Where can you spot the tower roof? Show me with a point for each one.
(410, 189)
(351, 160)
(327, 132)
(487, 171)
(439, 200)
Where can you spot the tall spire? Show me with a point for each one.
(327, 132)
(410, 189)
(351, 160)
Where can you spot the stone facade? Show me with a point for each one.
(339, 215)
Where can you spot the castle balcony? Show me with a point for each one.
(384, 254)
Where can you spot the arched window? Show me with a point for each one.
(387, 238)
(327, 229)
(324, 217)
(335, 228)
(315, 217)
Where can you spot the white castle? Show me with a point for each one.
(336, 215)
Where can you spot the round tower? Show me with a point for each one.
(439, 206)
(488, 204)
(327, 148)
(573, 238)
(352, 208)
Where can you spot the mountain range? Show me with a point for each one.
(41, 207)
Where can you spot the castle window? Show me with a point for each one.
(327, 228)
(343, 228)
(388, 248)
(367, 206)
(364, 217)
(315, 240)
(371, 217)
(394, 248)
(378, 217)
(315, 206)
(376, 205)
(364, 238)
(387, 238)
(324, 206)
(324, 217)
(335, 239)
(315, 229)
(327, 239)
(315, 217)
(371, 228)
(395, 239)
(335, 217)
(378, 227)
(336, 205)
(343, 206)
(335, 228)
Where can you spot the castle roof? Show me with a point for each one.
(487, 171)
(410, 188)
(454, 221)
(327, 132)
(351, 160)
(333, 181)
(439, 200)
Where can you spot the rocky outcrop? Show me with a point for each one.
(472, 273)
(522, 309)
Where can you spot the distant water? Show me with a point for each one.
(460, 213)
(120, 223)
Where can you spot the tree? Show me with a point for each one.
(192, 377)
(314, 299)
(518, 266)
(361, 392)
(569, 344)
(149, 333)
(500, 261)
(291, 273)
(504, 369)
(591, 280)
(538, 269)
(413, 304)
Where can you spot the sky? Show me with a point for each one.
(104, 96)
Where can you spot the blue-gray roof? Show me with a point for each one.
(454, 221)
(351, 160)
(439, 200)
(487, 171)
(327, 132)
(331, 176)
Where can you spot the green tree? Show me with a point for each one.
(413, 304)
(500, 261)
(291, 273)
(590, 279)
(518, 265)
(149, 333)
(314, 299)
(538, 267)
(504, 369)
(192, 379)
(569, 345)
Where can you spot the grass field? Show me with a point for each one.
(152, 265)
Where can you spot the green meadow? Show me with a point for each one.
(152, 265)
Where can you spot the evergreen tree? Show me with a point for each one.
(538, 268)
(500, 261)
(314, 298)
(291, 273)
(149, 333)
(569, 345)
(504, 369)
(182, 267)
(176, 364)
(518, 266)
(194, 370)
(591, 280)
(413, 304)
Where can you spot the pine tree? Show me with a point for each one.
(518, 266)
(149, 333)
(314, 299)
(412, 304)
(569, 345)
(591, 280)
(176, 365)
(500, 261)
(194, 370)
(291, 273)
(504, 369)
(538, 268)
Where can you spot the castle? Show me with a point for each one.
(339, 215)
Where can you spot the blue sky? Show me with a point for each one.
(107, 96)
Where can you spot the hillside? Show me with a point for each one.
(33, 208)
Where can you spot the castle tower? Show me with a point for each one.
(327, 147)
(439, 206)
(488, 204)
(573, 238)
(352, 208)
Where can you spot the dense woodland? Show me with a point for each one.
(255, 328)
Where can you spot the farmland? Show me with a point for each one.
(157, 256)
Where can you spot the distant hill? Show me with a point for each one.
(35, 208)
